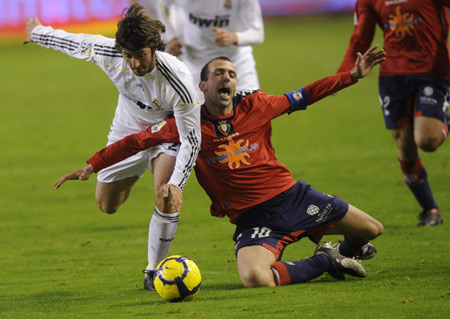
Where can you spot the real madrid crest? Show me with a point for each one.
(156, 104)
(223, 127)
(227, 4)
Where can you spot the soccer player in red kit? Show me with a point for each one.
(413, 83)
(238, 170)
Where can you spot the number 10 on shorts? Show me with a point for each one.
(261, 232)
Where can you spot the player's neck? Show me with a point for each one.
(218, 110)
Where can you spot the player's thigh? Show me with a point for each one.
(254, 266)
(358, 224)
(110, 196)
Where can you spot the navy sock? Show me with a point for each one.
(351, 246)
(422, 191)
(302, 270)
(416, 178)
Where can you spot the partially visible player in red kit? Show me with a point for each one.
(238, 170)
(413, 83)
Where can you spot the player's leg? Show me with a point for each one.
(358, 224)
(258, 267)
(110, 196)
(414, 173)
(429, 133)
(115, 183)
(254, 266)
(163, 224)
(405, 97)
(264, 231)
(358, 229)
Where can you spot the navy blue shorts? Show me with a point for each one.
(296, 213)
(404, 97)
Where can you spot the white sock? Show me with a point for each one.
(161, 233)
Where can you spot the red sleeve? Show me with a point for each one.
(165, 131)
(327, 86)
(362, 36)
(272, 105)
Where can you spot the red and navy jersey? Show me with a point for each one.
(415, 36)
(236, 165)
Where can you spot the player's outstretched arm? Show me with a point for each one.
(31, 23)
(366, 62)
(81, 174)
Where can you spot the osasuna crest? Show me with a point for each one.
(223, 127)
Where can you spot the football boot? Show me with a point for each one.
(148, 281)
(430, 217)
(367, 251)
(341, 265)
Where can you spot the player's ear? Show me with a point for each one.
(203, 86)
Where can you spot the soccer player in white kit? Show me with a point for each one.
(151, 84)
(204, 29)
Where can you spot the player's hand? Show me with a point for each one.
(31, 23)
(365, 62)
(223, 37)
(173, 198)
(175, 46)
(81, 174)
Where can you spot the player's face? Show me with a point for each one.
(220, 87)
(140, 62)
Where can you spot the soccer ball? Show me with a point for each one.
(177, 278)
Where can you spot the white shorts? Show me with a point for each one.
(136, 165)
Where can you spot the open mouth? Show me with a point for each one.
(224, 90)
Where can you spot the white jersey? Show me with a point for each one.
(143, 100)
(192, 21)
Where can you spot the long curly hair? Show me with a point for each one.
(137, 30)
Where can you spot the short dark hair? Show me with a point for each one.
(204, 71)
(137, 30)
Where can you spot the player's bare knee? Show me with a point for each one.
(429, 144)
(375, 229)
(252, 280)
(255, 277)
(107, 208)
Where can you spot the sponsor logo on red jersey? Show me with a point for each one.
(234, 153)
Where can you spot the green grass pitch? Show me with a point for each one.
(61, 258)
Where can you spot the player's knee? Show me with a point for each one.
(374, 229)
(429, 143)
(256, 277)
(106, 207)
